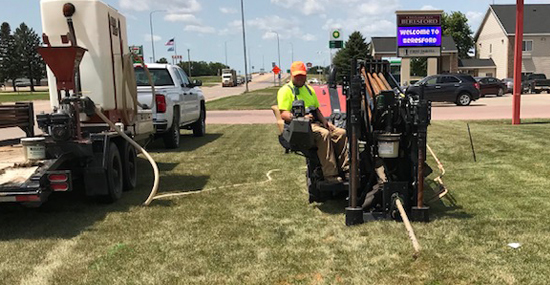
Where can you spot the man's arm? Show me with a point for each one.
(287, 116)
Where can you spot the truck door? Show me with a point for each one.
(190, 98)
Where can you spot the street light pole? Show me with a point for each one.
(189, 60)
(244, 47)
(151, 26)
(279, 54)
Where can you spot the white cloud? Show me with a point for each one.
(474, 19)
(309, 38)
(174, 6)
(228, 10)
(147, 38)
(200, 29)
(377, 8)
(286, 27)
(428, 7)
(187, 18)
(306, 7)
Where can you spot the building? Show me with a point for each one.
(477, 67)
(495, 39)
(386, 47)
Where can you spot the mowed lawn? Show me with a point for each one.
(209, 81)
(256, 100)
(23, 96)
(267, 233)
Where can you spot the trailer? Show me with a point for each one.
(91, 78)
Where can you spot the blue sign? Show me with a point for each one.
(419, 36)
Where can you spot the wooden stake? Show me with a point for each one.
(409, 228)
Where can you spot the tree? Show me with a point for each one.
(355, 48)
(419, 66)
(456, 26)
(162, 60)
(10, 63)
(26, 41)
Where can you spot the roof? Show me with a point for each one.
(472, 63)
(536, 20)
(389, 45)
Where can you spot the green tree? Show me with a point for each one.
(162, 60)
(26, 41)
(456, 26)
(356, 47)
(419, 66)
(10, 63)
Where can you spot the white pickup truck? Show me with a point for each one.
(179, 103)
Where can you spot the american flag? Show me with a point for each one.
(170, 42)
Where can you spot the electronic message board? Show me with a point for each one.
(418, 35)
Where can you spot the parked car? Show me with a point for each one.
(179, 103)
(509, 84)
(491, 86)
(536, 83)
(460, 89)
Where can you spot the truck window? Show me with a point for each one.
(161, 77)
(537, 76)
(183, 76)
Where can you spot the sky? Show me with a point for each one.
(207, 27)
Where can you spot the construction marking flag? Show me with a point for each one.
(171, 49)
(170, 42)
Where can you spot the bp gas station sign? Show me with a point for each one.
(336, 39)
(419, 35)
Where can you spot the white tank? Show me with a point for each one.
(102, 30)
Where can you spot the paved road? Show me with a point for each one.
(258, 82)
(533, 106)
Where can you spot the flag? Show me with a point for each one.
(170, 42)
(171, 49)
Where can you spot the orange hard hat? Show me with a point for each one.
(298, 68)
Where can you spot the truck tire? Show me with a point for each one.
(464, 99)
(129, 166)
(172, 136)
(199, 127)
(114, 174)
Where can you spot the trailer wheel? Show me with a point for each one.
(129, 166)
(114, 174)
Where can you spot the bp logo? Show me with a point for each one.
(336, 34)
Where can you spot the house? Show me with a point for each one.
(386, 47)
(495, 39)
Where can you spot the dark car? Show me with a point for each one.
(491, 86)
(461, 89)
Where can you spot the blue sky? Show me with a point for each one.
(204, 26)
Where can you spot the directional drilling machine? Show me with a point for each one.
(387, 133)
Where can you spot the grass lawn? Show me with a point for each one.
(256, 100)
(209, 81)
(23, 96)
(268, 233)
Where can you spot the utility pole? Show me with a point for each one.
(244, 46)
(292, 50)
(189, 60)
(226, 53)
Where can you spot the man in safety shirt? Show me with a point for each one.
(331, 141)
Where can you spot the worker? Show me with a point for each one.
(331, 141)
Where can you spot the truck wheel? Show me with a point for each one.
(464, 99)
(129, 166)
(114, 174)
(199, 127)
(172, 136)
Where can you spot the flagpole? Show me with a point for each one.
(175, 50)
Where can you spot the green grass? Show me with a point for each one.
(23, 96)
(209, 81)
(268, 233)
(261, 99)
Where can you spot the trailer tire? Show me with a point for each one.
(129, 166)
(114, 174)
(172, 136)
